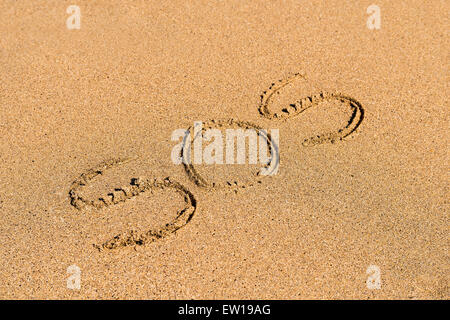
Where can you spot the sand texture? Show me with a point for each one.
(87, 179)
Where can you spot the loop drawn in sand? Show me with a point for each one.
(118, 195)
(300, 105)
(183, 216)
(256, 174)
(121, 194)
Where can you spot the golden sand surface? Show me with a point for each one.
(87, 180)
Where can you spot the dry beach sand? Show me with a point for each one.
(89, 112)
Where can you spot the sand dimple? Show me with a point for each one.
(120, 194)
(297, 106)
(232, 177)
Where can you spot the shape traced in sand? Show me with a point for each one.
(205, 181)
(300, 105)
(183, 216)
(121, 194)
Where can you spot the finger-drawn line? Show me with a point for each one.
(136, 238)
(118, 195)
(305, 103)
(121, 194)
(202, 181)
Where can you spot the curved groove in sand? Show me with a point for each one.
(305, 103)
(136, 238)
(119, 195)
(202, 181)
(136, 187)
